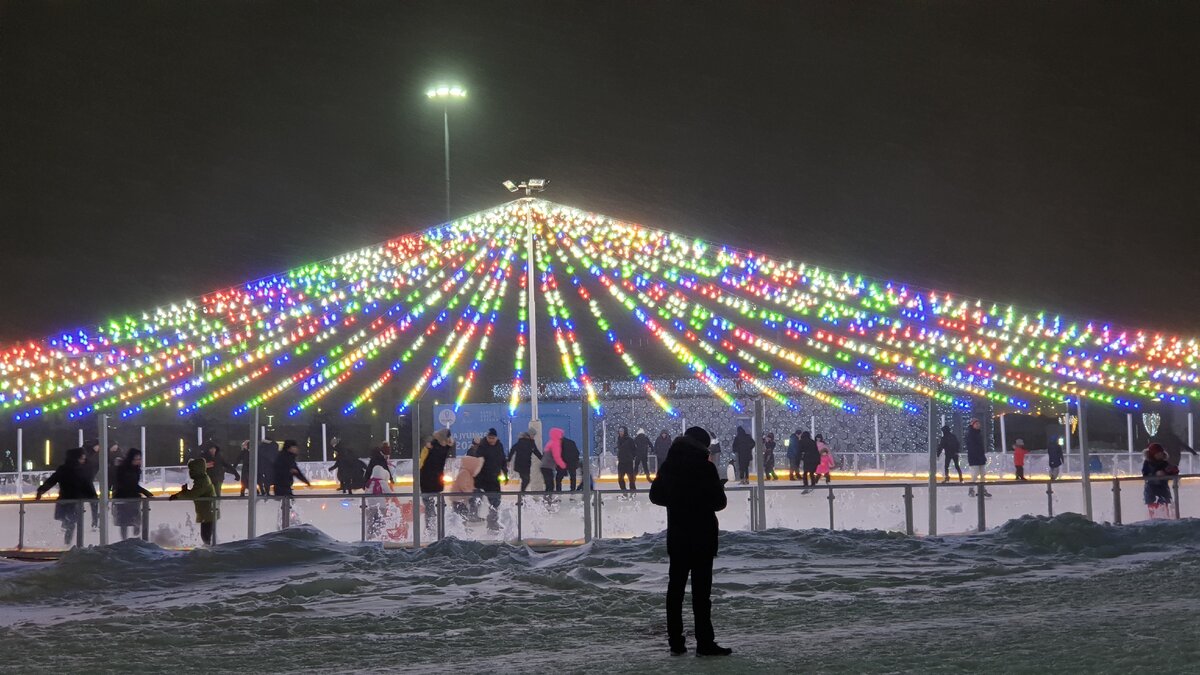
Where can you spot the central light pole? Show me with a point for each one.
(531, 186)
(446, 94)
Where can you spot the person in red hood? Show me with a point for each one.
(1019, 453)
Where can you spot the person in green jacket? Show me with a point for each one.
(204, 495)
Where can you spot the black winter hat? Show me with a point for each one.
(698, 436)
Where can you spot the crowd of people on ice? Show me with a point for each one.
(486, 466)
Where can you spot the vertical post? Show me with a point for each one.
(531, 289)
(81, 438)
(145, 450)
(446, 136)
(1129, 436)
(145, 514)
(286, 514)
(1003, 435)
(932, 474)
(682, 424)
(324, 443)
(812, 428)
(981, 509)
(1086, 459)
(759, 422)
(21, 527)
(878, 454)
(387, 434)
(603, 447)
(416, 473)
(103, 479)
(362, 519)
(830, 498)
(20, 464)
(908, 510)
(1067, 440)
(586, 450)
(199, 439)
(1191, 429)
(252, 480)
(441, 516)
(1116, 490)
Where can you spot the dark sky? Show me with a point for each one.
(1036, 153)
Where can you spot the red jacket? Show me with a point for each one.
(1019, 456)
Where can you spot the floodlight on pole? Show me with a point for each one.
(446, 93)
(530, 185)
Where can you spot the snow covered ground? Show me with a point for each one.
(1033, 595)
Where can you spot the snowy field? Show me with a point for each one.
(1034, 595)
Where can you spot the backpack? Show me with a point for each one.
(570, 453)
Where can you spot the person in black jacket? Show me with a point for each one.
(689, 487)
(74, 482)
(662, 445)
(976, 457)
(267, 453)
(810, 458)
(287, 470)
(351, 472)
(641, 443)
(491, 450)
(743, 452)
(949, 444)
(626, 455)
(769, 457)
(216, 467)
(243, 464)
(127, 486)
(432, 472)
(570, 457)
(521, 455)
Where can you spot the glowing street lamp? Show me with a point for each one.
(446, 93)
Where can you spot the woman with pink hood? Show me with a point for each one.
(552, 461)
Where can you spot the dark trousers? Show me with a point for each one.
(743, 469)
(548, 479)
(642, 463)
(206, 533)
(1020, 473)
(701, 571)
(810, 475)
(563, 473)
(956, 467)
(525, 479)
(624, 472)
(793, 470)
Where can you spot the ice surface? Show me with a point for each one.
(1034, 595)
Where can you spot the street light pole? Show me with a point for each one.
(446, 93)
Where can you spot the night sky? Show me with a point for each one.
(1032, 153)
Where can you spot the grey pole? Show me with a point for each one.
(20, 463)
(103, 479)
(759, 423)
(446, 127)
(252, 480)
(416, 473)
(932, 474)
(1087, 464)
(1067, 439)
(878, 455)
(531, 289)
(324, 443)
(586, 451)
(1129, 435)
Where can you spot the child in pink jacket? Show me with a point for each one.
(826, 465)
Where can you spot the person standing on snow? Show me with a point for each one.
(743, 452)
(950, 445)
(689, 487)
(203, 495)
(977, 457)
(626, 455)
(521, 455)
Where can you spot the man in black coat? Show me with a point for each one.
(949, 443)
(641, 460)
(743, 453)
(662, 445)
(977, 457)
(689, 487)
(570, 457)
(488, 479)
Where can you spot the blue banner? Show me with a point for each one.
(472, 420)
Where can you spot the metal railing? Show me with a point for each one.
(550, 517)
